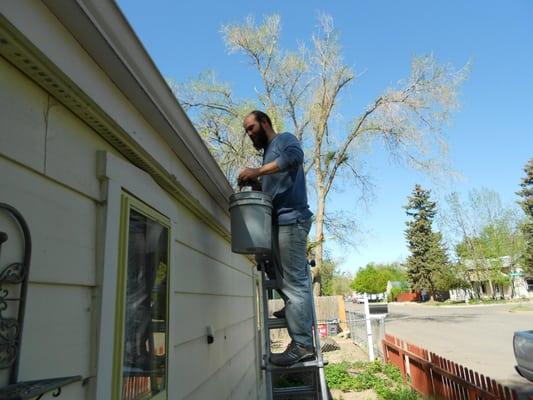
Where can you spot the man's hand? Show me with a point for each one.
(248, 174)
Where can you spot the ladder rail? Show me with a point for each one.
(266, 332)
(321, 374)
(320, 386)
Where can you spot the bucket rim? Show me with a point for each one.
(258, 192)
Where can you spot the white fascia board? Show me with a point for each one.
(102, 30)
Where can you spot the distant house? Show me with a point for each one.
(392, 284)
(133, 290)
(495, 278)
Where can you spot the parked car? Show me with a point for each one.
(523, 352)
(358, 298)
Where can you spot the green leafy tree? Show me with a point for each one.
(373, 278)
(526, 202)
(334, 282)
(340, 284)
(369, 280)
(428, 259)
(328, 272)
(487, 230)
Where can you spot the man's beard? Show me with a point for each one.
(261, 140)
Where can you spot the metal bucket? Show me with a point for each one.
(251, 222)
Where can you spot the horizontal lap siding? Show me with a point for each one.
(191, 232)
(211, 287)
(57, 340)
(62, 224)
(220, 366)
(200, 273)
(48, 164)
(235, 384)
(58, 319)
(22, 132)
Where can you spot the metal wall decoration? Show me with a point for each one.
(11, 328)
(13, 274)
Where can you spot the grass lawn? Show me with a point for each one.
(383, 379)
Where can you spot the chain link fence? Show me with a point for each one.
(357, 325)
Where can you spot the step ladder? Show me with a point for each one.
(312, 371)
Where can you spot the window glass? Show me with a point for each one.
(144, 367)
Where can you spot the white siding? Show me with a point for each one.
(48, 163)
(22, 131)
(212, 287)
(48, 160)
(57, 332)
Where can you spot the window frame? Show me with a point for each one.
(117, 176)
(130, 202)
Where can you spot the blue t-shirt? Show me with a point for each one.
(287, 187)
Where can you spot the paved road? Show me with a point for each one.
(478, 337)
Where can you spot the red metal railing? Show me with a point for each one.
(438, 378)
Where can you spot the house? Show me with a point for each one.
(132, 288)
(391, 285)
(495, 278)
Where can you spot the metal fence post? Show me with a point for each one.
(371, 356)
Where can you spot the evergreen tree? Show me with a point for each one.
(428, 258)
(442, 276)
(527, 205)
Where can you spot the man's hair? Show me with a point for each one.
(261, 117)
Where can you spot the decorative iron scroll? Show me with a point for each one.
(11, 328)
(32, 389)
(14, 274)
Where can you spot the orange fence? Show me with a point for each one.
(438, 378)
(404, 297)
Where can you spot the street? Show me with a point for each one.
(478, 337)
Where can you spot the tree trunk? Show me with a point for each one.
(319, 240)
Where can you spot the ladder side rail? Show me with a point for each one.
(266, 331)
(318, 350)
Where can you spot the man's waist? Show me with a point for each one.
(291, 216)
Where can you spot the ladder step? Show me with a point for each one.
(293, 391)
(277, 323)
(271, 284)
(300, 366)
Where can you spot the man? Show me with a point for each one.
(282, 176)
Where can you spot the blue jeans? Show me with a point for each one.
(289, 254)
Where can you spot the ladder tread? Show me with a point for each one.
(314, 366)
(295, 391)
(299, 366)
(277, 323)
(270, 284)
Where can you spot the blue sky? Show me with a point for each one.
(490, 136)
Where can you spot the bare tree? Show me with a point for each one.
(301, 90)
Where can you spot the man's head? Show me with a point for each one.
(258, 127)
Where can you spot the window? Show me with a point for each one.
(529, 285)
(142, 323)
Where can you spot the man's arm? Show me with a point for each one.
(291, 156)
(251, 174)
